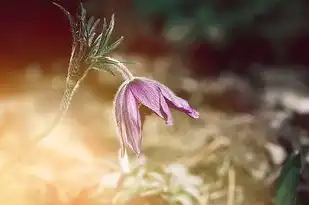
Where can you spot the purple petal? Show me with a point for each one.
(119, 99)
(166, 110)
(179, 103)
(148, 95)
(132, 122)
(174, 101)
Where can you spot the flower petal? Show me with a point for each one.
(148, 95)
(179, 103)
(175, 101)
(166, 110)
(119, 99)
(131, 121)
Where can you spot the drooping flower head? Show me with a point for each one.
(151, 94)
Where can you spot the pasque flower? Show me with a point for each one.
(136, 91)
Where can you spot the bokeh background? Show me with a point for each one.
(242, 63)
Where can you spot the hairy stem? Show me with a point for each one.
(122, 69)
(70, 90)
(72, 83)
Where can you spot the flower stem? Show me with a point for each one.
(72, 84)
(70, 90)
(122, 69)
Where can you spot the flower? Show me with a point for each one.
(153, 95)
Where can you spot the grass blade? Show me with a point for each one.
(288, 181)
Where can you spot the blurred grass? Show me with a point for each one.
(221, 148)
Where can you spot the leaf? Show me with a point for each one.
(288, 181)
(83, 12)
(128, 62)
(90, 23)
(94, 26)
(83, 29)
(91, 31)
(114, 45)
(71, 22)
(95, 45)
(107, 34)
(103, 68)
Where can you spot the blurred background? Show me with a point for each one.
(244, 64)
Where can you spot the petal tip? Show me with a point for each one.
(194, 114)
(169, 122)
(138, 153)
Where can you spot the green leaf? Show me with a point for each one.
(83, 13)
(90, 23)
(94, 26)
(83, 29)
(95, 44)
(71, 22)
(127, 62)
(114, 45)
(99, 68)
(107, 34)
(288, 181)
(91, 31)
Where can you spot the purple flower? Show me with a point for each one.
(153, 95)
